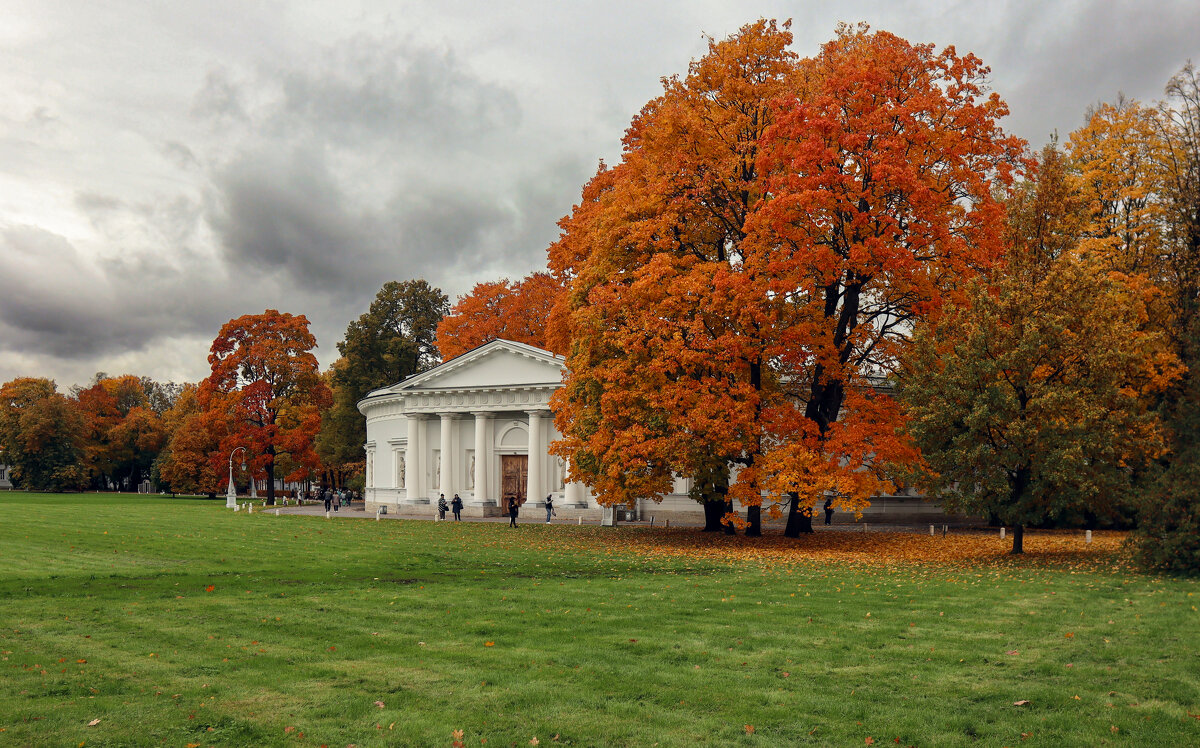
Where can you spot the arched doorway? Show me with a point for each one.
(514, 480)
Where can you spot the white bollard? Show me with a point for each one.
(377, 514)
(276, 512)
(249, 508)
(931, 531)
(326, 514)
(1089, 536)
(1002, 533)
(580, 518)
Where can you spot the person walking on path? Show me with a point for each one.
(337, 500)
(325, 495)
(828, 511)
(549, 508)
(456, 505)
(512, 512)
(442, 507)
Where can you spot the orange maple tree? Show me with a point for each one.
(517, 311)
(774, 229)
(266, 386)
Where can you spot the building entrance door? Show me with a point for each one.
(514, 472)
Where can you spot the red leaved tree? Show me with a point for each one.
(266, 386)
(500, 309)
(775, 228)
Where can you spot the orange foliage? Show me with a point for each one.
(265, 384)
(1066, 548)
(774, 229)
(501, 309)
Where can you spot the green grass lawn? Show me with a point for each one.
(176, 622)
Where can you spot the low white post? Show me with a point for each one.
(1089, 536)
(376, 514)
(1002, 533)
(931, 531)
(326, 514)
(276, 512)
(249, 508)
(580, 518)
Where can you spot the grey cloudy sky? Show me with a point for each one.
(167, 166)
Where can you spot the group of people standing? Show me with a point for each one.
(456, 505)
(334, 498)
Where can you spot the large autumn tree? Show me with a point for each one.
(503, 309)
(265, 384)
(774, 229)
(1028, 398)
(40, 435)
(394, 339)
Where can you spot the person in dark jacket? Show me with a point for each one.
(442, 506)
(549, 507)
(456, 506)
(328, 499)
(512, 512)
(828, 511)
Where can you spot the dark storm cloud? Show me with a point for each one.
(63, 304)
(383, 159)
(368, 87)
(283, 213)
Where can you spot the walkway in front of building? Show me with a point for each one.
(843, 523)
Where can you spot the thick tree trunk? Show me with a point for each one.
(713, 511)
(270, 484)
(799, 518)
(1018, 540)
(754, 520)
(730, 529)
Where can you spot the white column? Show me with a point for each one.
(412, 458)
(574, 494)
(447, 477)
(537, 458)
(483, 453)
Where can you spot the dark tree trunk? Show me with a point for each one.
(1019, 483)
(270, 484)
(799, 518)
(1018, 540)
(754, 521)
(713, 511)
(727, 508)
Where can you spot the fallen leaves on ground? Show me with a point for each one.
(1059, 548)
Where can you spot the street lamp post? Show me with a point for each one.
(231, 494)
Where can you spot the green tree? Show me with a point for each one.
(1029, 399)
(394, 339)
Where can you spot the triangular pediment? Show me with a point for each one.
(500, 363)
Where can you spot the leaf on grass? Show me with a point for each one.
(534, 740)
(1069, 635)
(289, 729)
(749, 729)
(1013, 652)
(94, 722)
(870, 740)
(1022, 702)
(379, 704)
(210, 588)
(489, 644)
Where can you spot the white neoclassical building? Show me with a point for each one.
(478, 426)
